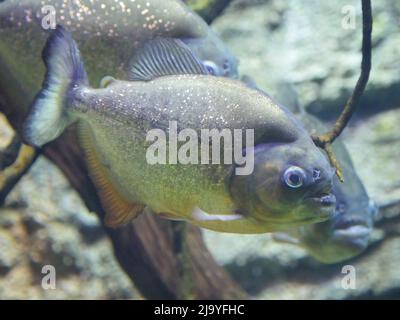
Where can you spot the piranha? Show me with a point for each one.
(346, 234)
(107, 31)
(289, 186)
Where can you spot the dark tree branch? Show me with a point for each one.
(325, 140)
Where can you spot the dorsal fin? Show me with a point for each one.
(164, 57)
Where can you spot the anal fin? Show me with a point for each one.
(119, 210)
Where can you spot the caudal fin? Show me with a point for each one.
(48, 116)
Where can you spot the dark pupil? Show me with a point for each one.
(294, 179)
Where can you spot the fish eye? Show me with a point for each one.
(294, 177)
(211, 67)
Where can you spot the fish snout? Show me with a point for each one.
(323, 205)
(328, 200)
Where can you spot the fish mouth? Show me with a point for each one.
(323, 198)
(326, 203)
(354, 232)
(348, 222)
(320, 208)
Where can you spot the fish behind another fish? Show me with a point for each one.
(346, 234)
(108, 32)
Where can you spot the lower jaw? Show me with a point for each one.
(357, 245)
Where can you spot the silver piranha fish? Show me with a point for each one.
(289, 186)
(346, 233)
(107, 32)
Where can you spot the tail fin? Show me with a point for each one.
(48, 116)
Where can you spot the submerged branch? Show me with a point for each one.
(325, 140)
(334, 161)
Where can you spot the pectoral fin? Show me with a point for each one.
(284, 237)
(119, 210)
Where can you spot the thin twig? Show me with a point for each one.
(334, 161)
(327, 139)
